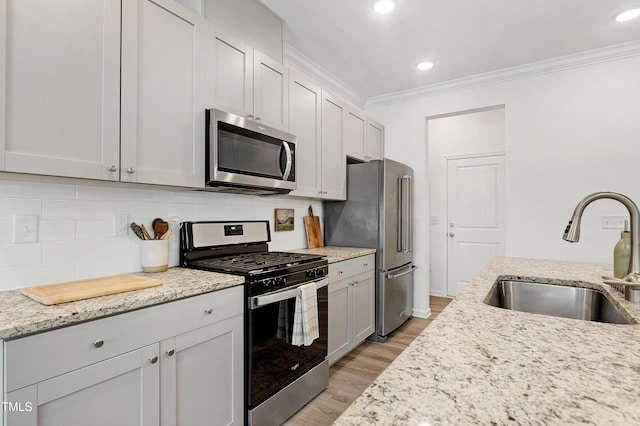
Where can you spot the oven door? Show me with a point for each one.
(243, 152)
(273, 363)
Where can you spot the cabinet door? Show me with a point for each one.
(123, 390)
(334, 162)
(304, 122)
(163, 92)
(355, 134)
(339, 342)
(363, 299)
(270, 92)
(201, 376)
(59, 87)
(375, 140)
(233, 75)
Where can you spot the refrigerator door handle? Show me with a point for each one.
(404, 215)
(394, 276)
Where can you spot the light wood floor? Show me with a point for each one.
(351, 375)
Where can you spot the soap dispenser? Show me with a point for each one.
(621, 253)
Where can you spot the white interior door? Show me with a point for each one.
(475, 217)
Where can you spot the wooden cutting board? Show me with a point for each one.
(53, 294)
(312, 226)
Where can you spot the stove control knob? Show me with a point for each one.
(270, 283)
(311, 273)
(319, 272)
(279, 282)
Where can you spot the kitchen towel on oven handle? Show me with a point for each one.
(305, 319)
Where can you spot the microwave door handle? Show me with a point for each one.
(287, 169)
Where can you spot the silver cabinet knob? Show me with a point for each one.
(249, 115)
(208, 311)
(170, 352)
(98, 343)
(131, 170)
(113, 168)
(451, 234)
(153, 360)
(258, 118)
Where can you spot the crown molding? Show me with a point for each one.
(589, 57)
(298, 61)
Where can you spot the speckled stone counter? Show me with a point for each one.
(337, 254)
(20, 315)
(477, 364)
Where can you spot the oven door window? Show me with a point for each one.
(246, 152)
(273, 361)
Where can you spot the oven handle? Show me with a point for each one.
(278, 296)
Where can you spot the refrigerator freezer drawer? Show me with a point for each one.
(395, 298)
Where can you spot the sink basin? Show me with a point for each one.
(555, 300)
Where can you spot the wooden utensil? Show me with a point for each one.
(160, 227)
(312, 226)
(144, 231)
(53, 294)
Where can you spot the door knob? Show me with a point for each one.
(451, 234)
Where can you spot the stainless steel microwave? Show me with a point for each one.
(243, 155)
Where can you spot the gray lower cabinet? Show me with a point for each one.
(351, 305)
(179, 363)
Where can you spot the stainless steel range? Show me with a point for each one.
(280, 377)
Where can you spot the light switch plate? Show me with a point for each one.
(25, 228)
(613, 222)
(120, 225)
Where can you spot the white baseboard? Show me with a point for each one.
(422, 313)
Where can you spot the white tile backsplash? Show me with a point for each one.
(76, 225)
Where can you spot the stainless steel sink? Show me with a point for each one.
(555, 300)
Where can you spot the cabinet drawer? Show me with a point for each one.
(351, 267)
(35, 358)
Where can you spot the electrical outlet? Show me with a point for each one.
(613, 222)
(25, 228)
(120, 225)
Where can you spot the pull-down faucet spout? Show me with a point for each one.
(572, 234)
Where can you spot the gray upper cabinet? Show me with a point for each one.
(375, 140)
(334, 162)
(355, 139)
(305, 104)
(63, 110)
(163, 97)
(60, 87)
(250, 84)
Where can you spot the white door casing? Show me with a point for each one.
(475, 217)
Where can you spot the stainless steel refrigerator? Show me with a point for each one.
(377, 214)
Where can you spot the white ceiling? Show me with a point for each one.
(376, 54)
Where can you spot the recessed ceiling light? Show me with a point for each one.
(383, 6)
(628, 15)
(426, 65)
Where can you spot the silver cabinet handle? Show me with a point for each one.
(153, 360)
(131, 170)
(113, 168)
(258, 118)
(98, 343)
(250, 116)
(208, 311)
(170, 352)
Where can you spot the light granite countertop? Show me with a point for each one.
(477, 364)
(21, 316)
(337, 254)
